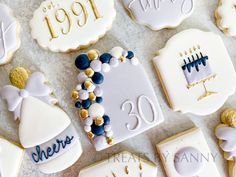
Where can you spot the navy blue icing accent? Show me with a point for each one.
(106, 120)
(105, 58)
(78, 104)
(82, 62)
(130, 55)
(97, 78)
(41, 155)
(86, 104)
(99, 99)
(195, 63)
(97, 130)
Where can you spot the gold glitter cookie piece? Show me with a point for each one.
(229, 117)
(19, 76)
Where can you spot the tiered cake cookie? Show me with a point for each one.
(159, 14)
(226, 132)
(11, 156)
(124, 164)
(45, 131)
(195, 76)
(9, 34)
(114, 97)
(64, 25)
(187, 155)
(225, 17)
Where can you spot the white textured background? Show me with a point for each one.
(61, 72)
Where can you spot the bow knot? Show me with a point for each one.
(35, 87)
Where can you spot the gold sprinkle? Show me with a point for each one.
(114, 175)
(18, 77)
(181, 55)
(90, 135)
(88, 84)
(140, 166)
(83, 113)
(198, 46)
(93, 54)
(75, 95)
(92, 96)
(194, 48)
(99, 121)
(190, 50)
(89, 72)
(185, 52)
(122, 59)
(127, 170)
(110, 141)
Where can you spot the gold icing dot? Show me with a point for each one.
(89, 72)
(87, 84)
(122, 59)
(99, 121)
(110, 141)
(93, 54)
(83, 113)
(75, 95)
(92, 96)
(90, 135)
(18, 77)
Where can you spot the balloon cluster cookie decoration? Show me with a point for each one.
(226, 133)
(159, 14)
(65, 25)
(45, 131)
(106, 92)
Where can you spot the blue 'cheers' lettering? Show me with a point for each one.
(40, 154)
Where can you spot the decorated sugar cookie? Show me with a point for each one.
(121, 165)
(159, 14)
(45, 130)
(225, 17)
(196, 77)
(11, 156)
(65, 25)
(226, 133)
(113, 104)
(188, 155)
(9, 34)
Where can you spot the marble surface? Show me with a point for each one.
(126, 33)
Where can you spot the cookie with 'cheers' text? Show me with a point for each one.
(226, 133)
(121, 165)
(65, 25)
(45, 130)
(225, 16)
(11, 156)
(195, 76)
(159, 14)
(9, 34)
(113, 104)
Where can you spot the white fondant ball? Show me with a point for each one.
(109, 134)
(91, 89)
(83, 95)
(134, 61)
(114, 62)
(98, 91)
(106, 67)
(88, 121)
(82, 77)
(87, 128)
(99, 142)
(79, 87)
(96, 110)
(107, 128)
(96, 65)
(125, 53)
(117, 52)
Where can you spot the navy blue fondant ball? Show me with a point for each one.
(99, 99)
(97, 130)
(83, 86)
(82, 62)
(106, 120)
(86, 104)
(105, 58)
(97, 78)
(78, 104)
(130, 55)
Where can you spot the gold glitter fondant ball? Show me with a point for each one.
(83, 113)
(110, 141)
(18, 77)
(93, 54)
(229, 117)
(75, 95)
(92, 96)
(89, 72)
(99, 121)
(91, 135)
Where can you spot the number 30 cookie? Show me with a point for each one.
(64, 25)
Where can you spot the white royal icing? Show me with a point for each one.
(159, 14)
(62, 25)
(9, 29)
(188, 155)
(121, 165)
(45, 130)
(11, 157)
(193, 74)
(225, 16)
